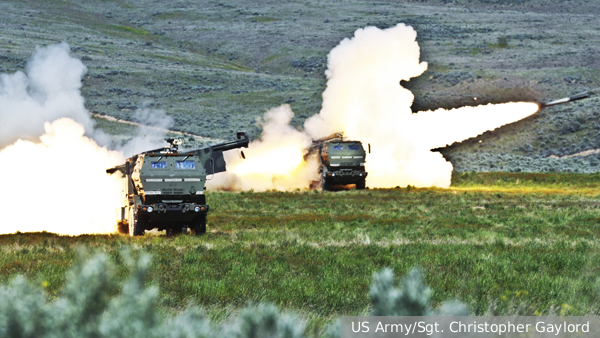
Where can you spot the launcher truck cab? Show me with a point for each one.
(341, 162)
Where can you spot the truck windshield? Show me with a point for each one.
(159, 165)
(354, 147)
(185, 165)
(338, 147)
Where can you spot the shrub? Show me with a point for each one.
(89, 307)
(503, 41)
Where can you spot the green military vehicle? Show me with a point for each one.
(341, 162)
(165, 186)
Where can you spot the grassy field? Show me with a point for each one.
(518, 244)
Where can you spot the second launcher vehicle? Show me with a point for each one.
(341, 162)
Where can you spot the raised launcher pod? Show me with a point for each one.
(341, 162)
(165, 187)
(572, 98)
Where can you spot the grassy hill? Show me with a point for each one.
(216, 65)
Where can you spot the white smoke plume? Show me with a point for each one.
(59, 183)
(151, 134)
(53, 177)
(49, 90)
(364, 100)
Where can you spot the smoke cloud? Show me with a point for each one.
(364, 99)
(275, 161)
(59, 184)
(53, 168)
(151, 133)
(54, 177)
(47, 91)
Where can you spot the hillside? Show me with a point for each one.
(214, 66)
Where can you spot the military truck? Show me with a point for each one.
(165, 186)
(341, 162)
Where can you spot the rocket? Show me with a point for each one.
(572, 98)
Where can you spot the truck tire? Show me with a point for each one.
(360, 184)
(139, 228)
(136, 226)
(200, 225)
(324, 183)
(175, 231)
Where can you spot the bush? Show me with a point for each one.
(464, 162)
(89, 307)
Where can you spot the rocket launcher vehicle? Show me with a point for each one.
(164, 187)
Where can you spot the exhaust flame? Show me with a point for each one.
(364, 100)
(52, 176)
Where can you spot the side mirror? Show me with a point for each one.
(242, 154)
(369, 148)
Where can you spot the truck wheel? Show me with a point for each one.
(139, 229)
(200, 225)
(360, 184)
(130, 221)
(324, 184)
(176, 230)
(136, 226)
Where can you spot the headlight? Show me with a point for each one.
(150, 209)
(197, 209)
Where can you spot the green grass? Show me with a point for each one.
(128, 29)
(204, 60)
(502, 42)
(503, 243)
(271, 58)
(171, 15)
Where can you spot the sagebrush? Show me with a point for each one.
(90, 306)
